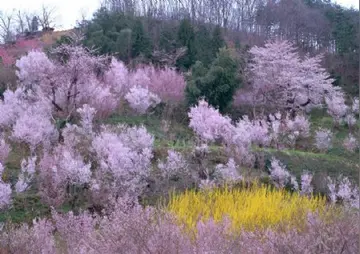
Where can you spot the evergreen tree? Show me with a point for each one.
(186, 37)
(34, 24)
(140, 41)
(124, 45)
(217, 84)
(217, 40)
(203, 41)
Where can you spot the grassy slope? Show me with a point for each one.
(336, 161)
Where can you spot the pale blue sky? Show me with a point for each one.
(68, 11)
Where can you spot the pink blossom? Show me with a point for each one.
(350, 120)
(87, 115)
(228, 172)
(4, 150)
(207, 184)
(126, 157)
(355, 106)
(351, 143)
(24, 239)
(5, 194)
(336, 106)
(344, 190)
(6, 58)
(139, 78)
(136, 138)
(117, 77)
(10, 108)
(174, 164)
(141, 99)
(1, 170)
(306, 187)
(208, 123)
(60, 168)
(323, 139)
(35, 69)
(26, 174)
(34, 127)
(167, 83)
(283, 81)
(280, 176)
(299, 126)
(74, 230)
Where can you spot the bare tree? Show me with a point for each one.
(47, 17)
(26, 22)
(7, 33)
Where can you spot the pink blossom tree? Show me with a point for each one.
(306, 187)
(280, 176)
(228, 173)
(323, 139)
(126, 158)
(5, 190)
(70, 78)
(175, 164)
(57, 170)
(141, 99)
(285, 81)
(344, 191)
(118, 78)
(4, 150)
(167, 83)
(11, 106)
(34, 127)
(208, 123)
(26, 174)
(350, 143)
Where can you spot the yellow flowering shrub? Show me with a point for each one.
(258, 207)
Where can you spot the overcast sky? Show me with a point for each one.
(68, 11)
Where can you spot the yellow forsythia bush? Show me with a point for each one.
(258, 207)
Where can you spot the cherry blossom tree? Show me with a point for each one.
(175, 164)
(26, 174)
(118, 78)
(71, 77)
(11, 106)
(285, 81)
(5, 191)
(58, 170)
(323, 139)
(306, 187)
(280, 176)
(167, 83)
(228, 173)
(344, 191)
(141, 99)
(34, 127)
(4, 150)
(350, 143)
(126, 158)
(208, 123)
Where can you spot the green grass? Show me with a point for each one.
(25, 207)
(177, 132)
(325, 164)
(336, 161)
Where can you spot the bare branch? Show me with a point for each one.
(47, 17)
(7, 33)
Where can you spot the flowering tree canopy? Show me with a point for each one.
(282, 79)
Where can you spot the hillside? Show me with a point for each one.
(183, 129)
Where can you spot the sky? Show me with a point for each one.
(69, 11)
